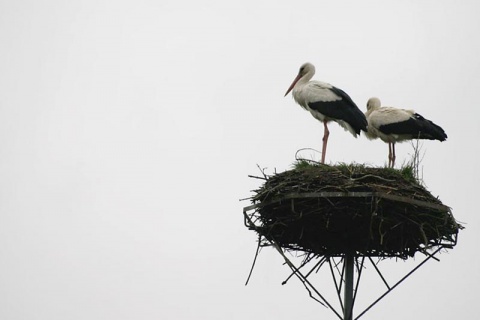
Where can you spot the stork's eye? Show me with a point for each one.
(301, 69)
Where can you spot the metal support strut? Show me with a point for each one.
(348, 289)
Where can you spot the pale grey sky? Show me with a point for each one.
(128, 129)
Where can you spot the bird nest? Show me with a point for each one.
(333, 210)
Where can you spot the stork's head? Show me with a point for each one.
(373, 103)
(305, 68)
(305, 73)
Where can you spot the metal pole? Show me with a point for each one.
(348, 290)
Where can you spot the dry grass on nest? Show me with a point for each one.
(332, 210)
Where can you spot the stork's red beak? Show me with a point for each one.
(293, 84)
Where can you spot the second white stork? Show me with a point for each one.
(395, 125)
(326, 103)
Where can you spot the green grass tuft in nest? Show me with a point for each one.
(407, 171)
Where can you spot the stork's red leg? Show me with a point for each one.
(326, 133)
(390, 155)
(393, 154)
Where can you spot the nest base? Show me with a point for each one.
(331, 211)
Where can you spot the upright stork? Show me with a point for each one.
(326, 103)
(396, 125)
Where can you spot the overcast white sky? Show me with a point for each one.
(128, 129)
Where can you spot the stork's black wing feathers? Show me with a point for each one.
(344, 109)
(416, 126)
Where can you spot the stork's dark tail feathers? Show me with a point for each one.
(429, 130)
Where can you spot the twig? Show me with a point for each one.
(255, 259)
(256, 177)
(304, 159)
(373, 176)
(262, 171)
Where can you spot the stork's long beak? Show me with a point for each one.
(293, 84)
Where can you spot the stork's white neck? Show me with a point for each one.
(372, 105)
(304, 80)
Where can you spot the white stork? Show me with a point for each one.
(396, 125)
(326, 103)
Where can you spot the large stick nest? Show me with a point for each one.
(332, 210)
